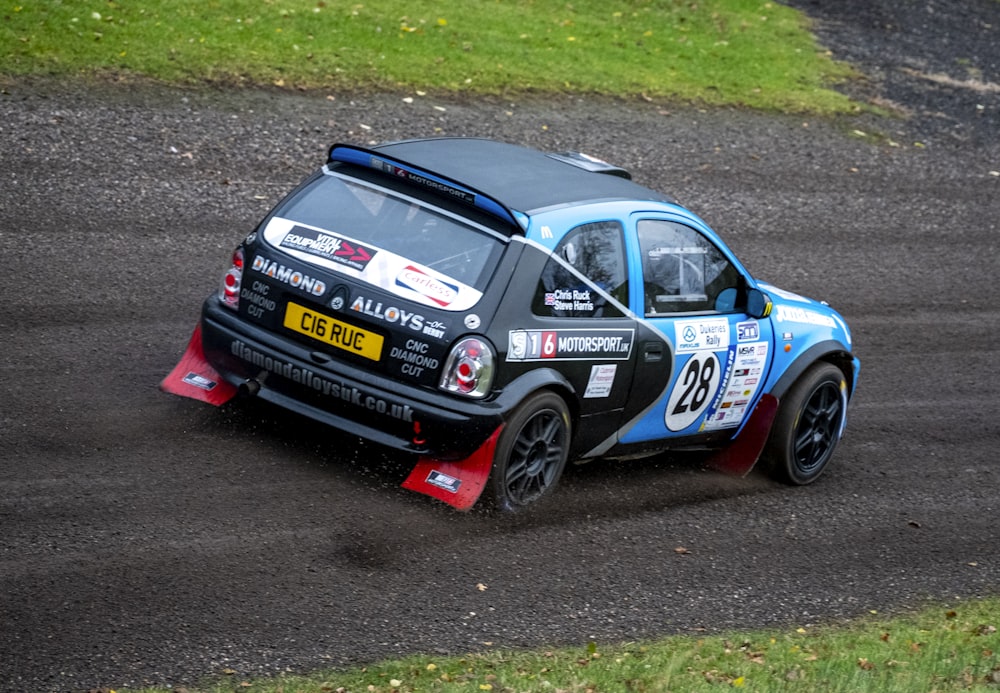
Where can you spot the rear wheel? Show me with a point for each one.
(808, 426)
(531, 453)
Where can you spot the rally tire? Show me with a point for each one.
(808, 426)
(531, 453)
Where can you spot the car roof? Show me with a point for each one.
(522, 179)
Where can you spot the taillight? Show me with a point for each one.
(229, 292)
(468, 370)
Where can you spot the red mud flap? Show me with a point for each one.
(194, 377)
(459, 484)
(740, 457)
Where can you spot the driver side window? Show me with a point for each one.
(683, 272)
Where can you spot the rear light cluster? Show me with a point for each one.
(469, 368)
(229, 292)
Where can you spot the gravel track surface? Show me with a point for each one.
(148, 539)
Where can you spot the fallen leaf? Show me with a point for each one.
(865, 664)
(681, 550)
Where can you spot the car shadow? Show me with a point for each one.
(598, 489)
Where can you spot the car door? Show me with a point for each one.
(693, 292)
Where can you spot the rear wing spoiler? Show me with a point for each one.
(351, 154)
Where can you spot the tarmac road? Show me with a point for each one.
(146, 539)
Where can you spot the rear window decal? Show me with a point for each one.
(328, 246)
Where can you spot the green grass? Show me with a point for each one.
(754, 53)
(938, 649)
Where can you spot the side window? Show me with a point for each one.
(588, 256)
(683, 271)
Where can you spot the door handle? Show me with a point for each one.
(652, 352)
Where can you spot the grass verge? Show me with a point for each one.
(938, 648)
(753, 53)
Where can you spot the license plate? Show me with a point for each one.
(333, 332)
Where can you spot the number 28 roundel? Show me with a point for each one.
(696, 384)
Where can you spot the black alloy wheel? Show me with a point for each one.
(531, 453)
(808, 426)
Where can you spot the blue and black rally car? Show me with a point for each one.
(494, 311)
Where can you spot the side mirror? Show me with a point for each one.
(758, 304)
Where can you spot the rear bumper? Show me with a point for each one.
(376, 408)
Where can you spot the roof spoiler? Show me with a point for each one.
(590, 163)
(351, 154)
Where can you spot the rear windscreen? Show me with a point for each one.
(400, 224)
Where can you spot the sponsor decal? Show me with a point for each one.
(445, 481)
(287, 275)
(602, 379)
(335, 389)
(747, 361)
(200, 381)
(699, 335)
(788, 295)
(414, 357)
(435, 329)
(255, 298)
(809, 317)
(569, 345)
(389, 314)
(570, 299)
(747, 331)
(419, 179)
(328, 246)
(418, 281)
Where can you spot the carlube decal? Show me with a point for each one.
(439, 291)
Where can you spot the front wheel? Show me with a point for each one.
(531, 453)
(808, 426)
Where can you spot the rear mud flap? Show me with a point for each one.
(458, 483)
(740, 457)
(194, 377)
